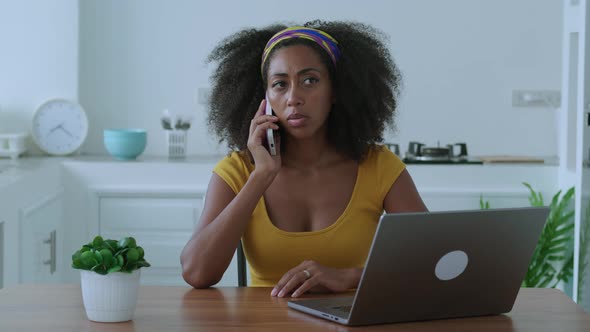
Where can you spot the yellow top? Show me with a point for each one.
(271, 252)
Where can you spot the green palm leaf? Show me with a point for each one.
(553, 261)
(584, 249)
(483, 205)
(554, 242)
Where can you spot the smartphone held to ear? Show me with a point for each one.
(270, 138)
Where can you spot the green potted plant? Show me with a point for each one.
(110, 272)
(553, 258)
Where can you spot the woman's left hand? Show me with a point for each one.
(310, 276)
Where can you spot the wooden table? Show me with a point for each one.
(48, 308)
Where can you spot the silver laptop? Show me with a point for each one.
(435, 265)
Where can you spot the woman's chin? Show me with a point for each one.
(302, 133)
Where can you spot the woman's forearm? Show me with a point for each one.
(210, 250)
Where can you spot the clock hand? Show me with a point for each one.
(65, 131)
(57, 127)
(54, 129)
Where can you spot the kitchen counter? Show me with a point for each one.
(431, 180)
(78, 192)
(12, 171)
(191, 172)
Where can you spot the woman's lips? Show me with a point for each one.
(296, 120)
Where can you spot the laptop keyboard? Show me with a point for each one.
(343, 308)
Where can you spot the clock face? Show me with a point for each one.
(60, 127)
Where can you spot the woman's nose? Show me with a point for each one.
(294, 98)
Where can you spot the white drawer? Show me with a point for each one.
(148, 213)
(161, 225)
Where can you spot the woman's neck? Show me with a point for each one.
(312, 153)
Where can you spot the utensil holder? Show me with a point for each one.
(176, 143)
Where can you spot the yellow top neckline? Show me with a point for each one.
(334, 225)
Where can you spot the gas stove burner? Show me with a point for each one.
(449, 154)
(430, 158)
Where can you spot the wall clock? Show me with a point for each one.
(59, 127)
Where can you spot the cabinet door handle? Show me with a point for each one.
(52, 244)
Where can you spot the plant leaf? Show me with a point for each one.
(115, 268)
(143, 263)
(141, 252)
(106, 256)
(121, 251)
(111, 245)
(132, 255)
(120, 261)
(97, 242)
(87, 259)
(98, 257)
(555, 240)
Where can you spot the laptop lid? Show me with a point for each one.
(436, 265)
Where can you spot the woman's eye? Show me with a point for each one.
(310, 80)
(279, 84)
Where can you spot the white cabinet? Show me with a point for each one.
(459, 187)
(31, 210)
(158, 202)
(41, 230)
(161, 222)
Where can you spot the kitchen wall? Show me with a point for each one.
(38, 57)
(461, 59)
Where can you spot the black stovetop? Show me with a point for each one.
(443, 162)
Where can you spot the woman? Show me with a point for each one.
(307, 215)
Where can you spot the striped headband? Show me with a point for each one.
(327, 42)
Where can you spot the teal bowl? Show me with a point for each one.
(125, 144)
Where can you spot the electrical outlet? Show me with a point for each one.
(203, 95)
(536, 98)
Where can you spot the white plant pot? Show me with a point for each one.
(110, 298)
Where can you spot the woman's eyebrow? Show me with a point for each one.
(302, 71)
(306, 70)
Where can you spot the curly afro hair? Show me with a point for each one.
(366, 84)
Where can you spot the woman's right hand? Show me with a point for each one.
(264, 161)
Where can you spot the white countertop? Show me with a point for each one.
(13, 170)
(158, 168)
